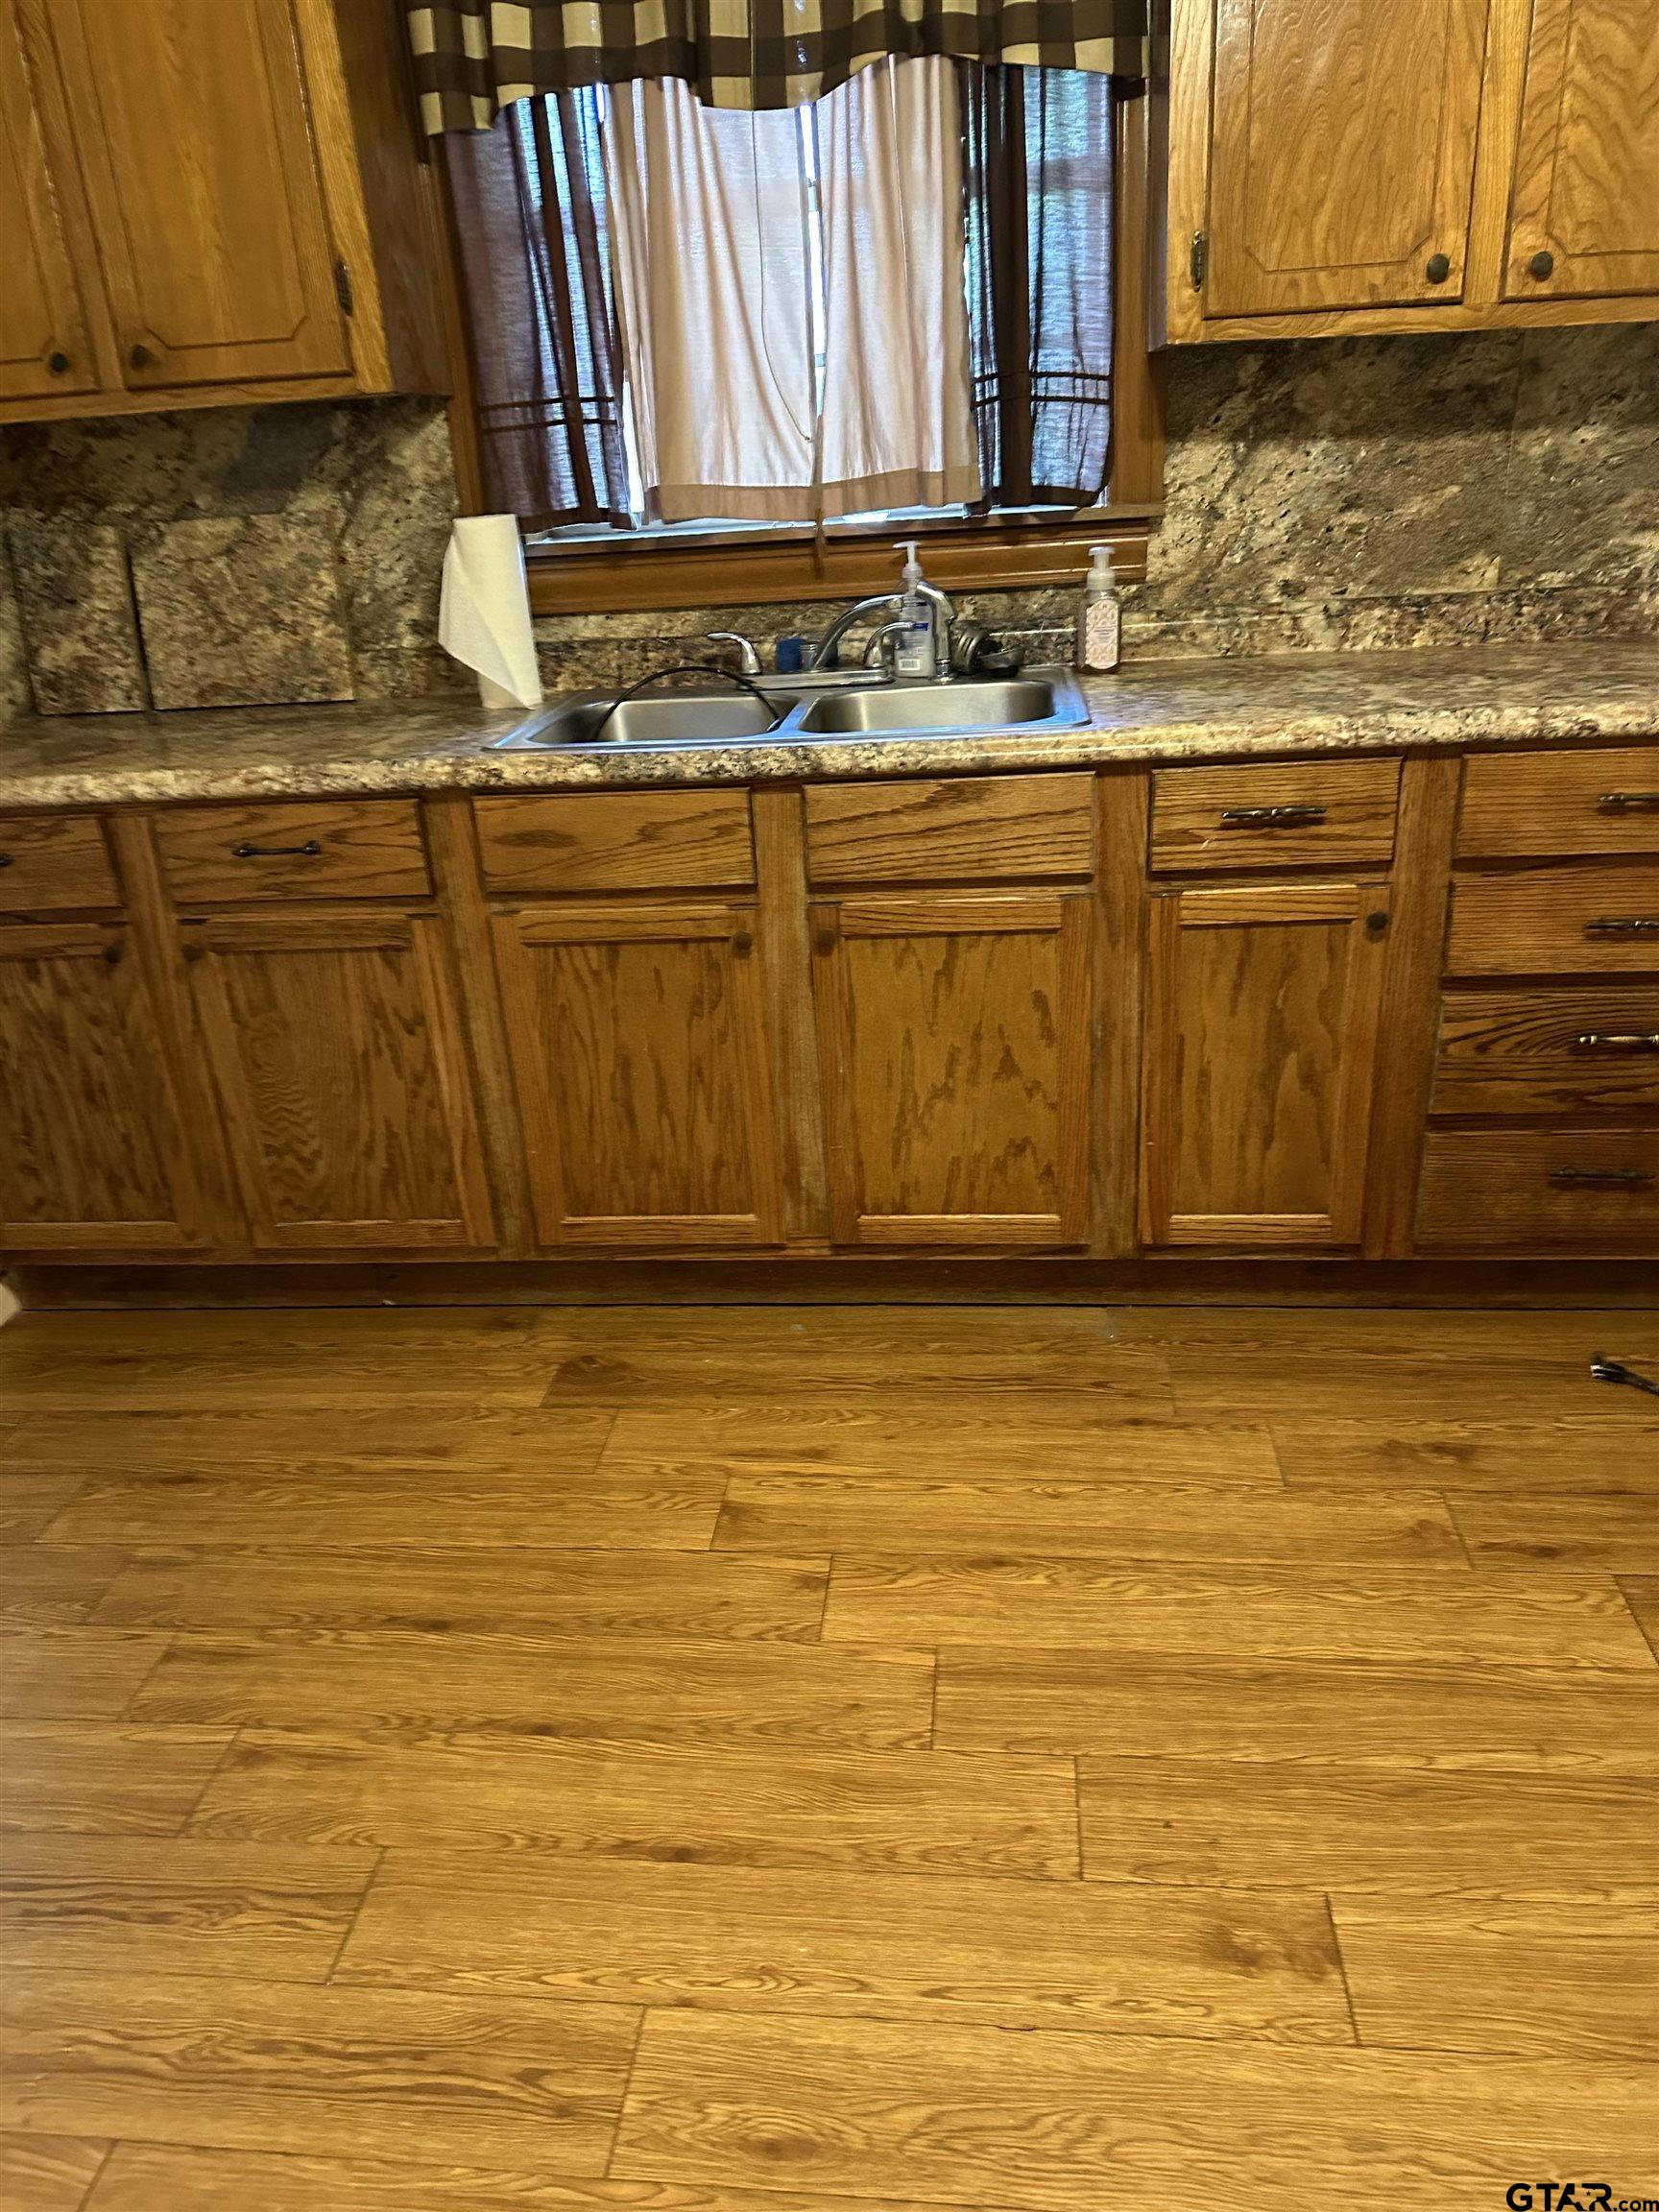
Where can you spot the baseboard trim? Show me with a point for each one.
(854, 1279)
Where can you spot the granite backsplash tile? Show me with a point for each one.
(75, 602)
(1337, 493)
(337, 515)
(241, 611)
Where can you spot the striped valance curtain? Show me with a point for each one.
(473, 58)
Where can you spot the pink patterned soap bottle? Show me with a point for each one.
(1099, 617)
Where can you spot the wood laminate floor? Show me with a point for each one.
(805, 1759)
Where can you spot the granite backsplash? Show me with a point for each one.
(1320, 494)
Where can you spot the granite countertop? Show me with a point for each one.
(1152, 711)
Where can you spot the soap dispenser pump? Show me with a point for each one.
(1099, 617)
(914, 653)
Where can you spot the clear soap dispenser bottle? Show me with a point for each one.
(1099, 617)
(913, 651)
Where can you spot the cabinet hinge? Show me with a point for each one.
(1198, 260)
(343, 289)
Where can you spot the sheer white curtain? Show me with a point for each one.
(723, 276)
(898, 425)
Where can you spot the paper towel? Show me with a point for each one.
(484, 616)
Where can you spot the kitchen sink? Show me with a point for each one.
(805, 711)
(1015, 704)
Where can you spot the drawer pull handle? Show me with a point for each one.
(306, 852)
(1611, 1178)
(1617, 1041)
(1628, 802)
(1624, 926)
(7, 859)
(1271, 817)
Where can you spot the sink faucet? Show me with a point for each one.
(825, 653)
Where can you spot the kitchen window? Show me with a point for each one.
(728, 355)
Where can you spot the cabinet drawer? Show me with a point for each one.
(1272, 815)
(337, 849)
(947, 828)
(48, 862)
(1563, 1051)
(1556, 921)
(617, 841)
(1561, 803)
(1540, 1191)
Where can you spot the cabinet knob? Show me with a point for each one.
(141, 357)
(7, 859)
(112, 955)
(1438, 269)
(194, 951)
(1541, 266)
(824, 941)
(58, 361)
(743, 944)
(1376, 922)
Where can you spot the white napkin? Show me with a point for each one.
(484, 615)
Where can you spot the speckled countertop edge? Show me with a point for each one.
(1151, 714)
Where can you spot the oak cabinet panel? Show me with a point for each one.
(1561, 1048)
(1601, 919)
(1343, 152)
(347, 1095)
(638, 1035)
(1518, 806)
(92, 1153)
(333, 849)
(982, 829)
(607, 841)
(1274, 814)
(50, 861)
(1261, 1052)
(44, 342)
(1519, 1190)
(1585, 196)
(205, 197)
(955, 1040)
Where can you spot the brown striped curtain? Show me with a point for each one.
(473, 58)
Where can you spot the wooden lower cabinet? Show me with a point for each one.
(1261, 1063)
(955, 1040)
(336, 1053)
(93, 1153)
(637, 1037)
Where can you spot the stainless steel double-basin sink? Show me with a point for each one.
(804, 710)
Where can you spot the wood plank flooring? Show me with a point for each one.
(816, 1760)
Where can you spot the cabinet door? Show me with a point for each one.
(1342, 156)
(639, 1044)
(206, 198)
(44, 344)
(347, 1094)
(1261, 1052)
(954, 1031)
(91, 1144)
(1584, 211)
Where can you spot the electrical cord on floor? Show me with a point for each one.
(1615, 1371)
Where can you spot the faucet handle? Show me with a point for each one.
(748, 660)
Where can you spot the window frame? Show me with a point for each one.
(648, 574)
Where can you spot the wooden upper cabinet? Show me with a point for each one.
(1343, 152)
(45, 346)
(1374, 165)
(1262, 1060)
(93, 1151)
(1584, 212)
(955, 1037)
(206, 192)
(217, 200)
(637, 1036)
(336, 1051)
